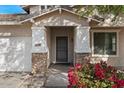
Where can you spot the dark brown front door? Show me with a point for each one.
(61, 49)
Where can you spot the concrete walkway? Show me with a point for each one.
(21, 80)
(57, 76)
(10, 80)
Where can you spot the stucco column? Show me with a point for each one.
(82, 43)
(39, 49)
(39, 41)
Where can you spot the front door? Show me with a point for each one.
(61, 49)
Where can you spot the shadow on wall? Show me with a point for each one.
(13, 54)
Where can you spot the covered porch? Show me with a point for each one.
(60, 42)
(61, 36)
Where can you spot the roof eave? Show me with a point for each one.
(58, 9)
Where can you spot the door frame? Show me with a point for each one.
(56, 48)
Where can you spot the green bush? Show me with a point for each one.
(98, 75)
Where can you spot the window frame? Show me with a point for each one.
(106, 31)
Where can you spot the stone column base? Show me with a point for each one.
(82, 57)
(39, 62)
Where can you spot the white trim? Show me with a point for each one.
(38, 28)
(9, 23)
(117, 43)
(82, 27)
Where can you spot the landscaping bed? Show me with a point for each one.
(98, 75)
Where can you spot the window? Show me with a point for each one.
(105, 43)
(42, 7)
(45, 7)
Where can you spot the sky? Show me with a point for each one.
(11, 9)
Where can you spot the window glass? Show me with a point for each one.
(105, 43)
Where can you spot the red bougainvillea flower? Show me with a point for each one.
(99, 72)
(78, 66)
(113, 78)
(97, 66)
(70, 72)
(110, 67)
(115, 86)
(73, 80)
(69, 86)
(120, 83)
(72, 77)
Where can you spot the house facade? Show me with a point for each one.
(54, 34)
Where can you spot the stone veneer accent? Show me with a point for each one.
(39, 63)
(81, 57)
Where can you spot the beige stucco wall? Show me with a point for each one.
(16, 30)
(121, 47)
(60, 18)
(52, 33)
(115, 60)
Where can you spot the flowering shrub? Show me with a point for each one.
(98, 75)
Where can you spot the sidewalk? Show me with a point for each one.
(57, 76)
